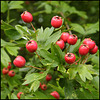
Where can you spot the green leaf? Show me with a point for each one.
(74, 48)
(12, 50)
(95, 81)
(35, 76)
(84, 73)
(4, 58)
(22, 29)
(13, 96)
(52, 39)
(16, 4)
(82, 70)
(35, 85)
(92, 28)
(13, 34)
(4, 6)
(4, 43)
(40, 95)
(6, 26)
(69, 89)
(78, 28)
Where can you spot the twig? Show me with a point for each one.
(84, 61)
(38, 55)
(66, 23)
(67, 49)
(36, 67)
(32, 26)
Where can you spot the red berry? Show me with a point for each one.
(9, 66)
(19, 95)
(19, 61)
(55, 94)
(72, 39)
(31, 46)
(27, 17)
(94, 50)
(56, 21)
(70, 58)
(48, 77)
(60, 43)
(65, 36)
(90, 43)
(11, 73)
(5, 70)
(26, 84)
(43, 87)
(86, 39)
(83, 49)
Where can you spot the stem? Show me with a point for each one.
(32, 26)
(38, 55)
(86, 59)
(66, 23)
(36, 67)
(77, 60)
(67, 49)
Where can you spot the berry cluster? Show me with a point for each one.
(5, 70)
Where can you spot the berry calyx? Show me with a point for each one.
(31, 46)
(90, 43)
(48, 77)
(56, 21)
(43, 87)
(70, 58)
(65, 36)
(83, 49)
(11, 73)
(9, 66)
(55, 94)
(27, 17)
(19, 61)
(94, 50)
(5, 70)
(19, 95)
(72, 39)
(60, 43)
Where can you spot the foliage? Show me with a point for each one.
(75, 81)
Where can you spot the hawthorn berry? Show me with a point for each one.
(60, 43)
(83, 49)
(65, 36)
(56, 21)
(43, 87)
(27, 17)
(72, 39)
(55, 94)
(11, 73)
(48, 77)
(31, 46)
(19, 61)
(70, 58)
(90, 43)
(19, 95)
(86, 39)
(94, 50)
(9, 66)
(5, 70)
